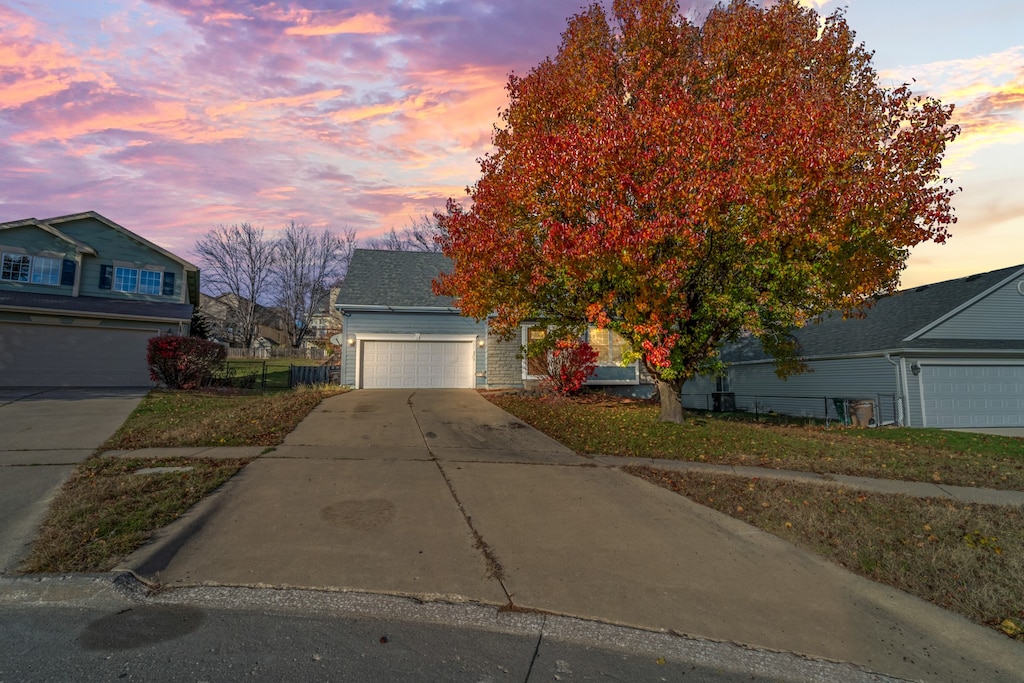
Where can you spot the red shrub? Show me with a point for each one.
(183, 362)
(569, 364)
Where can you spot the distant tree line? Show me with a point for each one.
(291, 274)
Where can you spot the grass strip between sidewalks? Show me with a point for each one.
(616, 427)
(107, 509)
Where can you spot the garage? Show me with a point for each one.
(71, 355)
(973, 395)
(419, 364)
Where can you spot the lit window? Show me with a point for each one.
(608, 344)
(16, 268)
(536, 366)
(149, 282)
(126, 279)
(46, 271)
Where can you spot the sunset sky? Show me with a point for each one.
(173, 116)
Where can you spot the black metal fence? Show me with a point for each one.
(270, 375)
(861, 410)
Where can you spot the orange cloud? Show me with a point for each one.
(160, 115)
(366, 23)
(988, 92)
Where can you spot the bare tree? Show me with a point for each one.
(309, 264)
(238, 260)
(419, 235)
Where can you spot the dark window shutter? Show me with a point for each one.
(168, 284)
(67, 273)
(106, 277)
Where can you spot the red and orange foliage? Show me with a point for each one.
(685, 184)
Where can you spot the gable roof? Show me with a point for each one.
(57, 220)
(80, 247)
(383, 280)
(892, 322)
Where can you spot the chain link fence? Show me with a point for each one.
(859, 411)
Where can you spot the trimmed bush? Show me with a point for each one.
(183, 362)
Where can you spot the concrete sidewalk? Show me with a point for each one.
(45, 434)
(440, 494)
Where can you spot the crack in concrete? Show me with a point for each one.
(494, 568)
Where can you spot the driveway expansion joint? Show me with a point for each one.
(494, 568)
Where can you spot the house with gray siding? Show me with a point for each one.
(949, 354)
(399, 334)
(80, 296)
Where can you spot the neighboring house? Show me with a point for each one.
(80, 296)
(399, 334)
(949, 354)
(221, 314)
(325, 322)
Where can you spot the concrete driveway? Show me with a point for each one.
(45, 432)
(440, 495)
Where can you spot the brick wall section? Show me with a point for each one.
(504, 367)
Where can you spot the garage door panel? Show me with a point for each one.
(418, 364)
(973, 395)
(72, 356)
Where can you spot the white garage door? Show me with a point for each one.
(71, 356)
(418, 364)
(973, 395)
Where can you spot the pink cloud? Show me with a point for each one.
(326, 26)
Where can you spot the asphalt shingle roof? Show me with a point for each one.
(93, 304)
(393, 278)
(888, 322)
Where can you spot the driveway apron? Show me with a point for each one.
(440, 493)
(45, 432)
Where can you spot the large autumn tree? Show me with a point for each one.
(686, 184)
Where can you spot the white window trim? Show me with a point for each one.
(60, 269)
(126, 265)
(50, 255)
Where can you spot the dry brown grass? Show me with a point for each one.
(966, 558)
(105, 511)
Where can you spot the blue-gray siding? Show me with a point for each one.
(756, 386)
(362, 324)
(1000, 315)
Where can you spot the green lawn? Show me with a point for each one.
(615, 427)
(268, 373)
(199, 418)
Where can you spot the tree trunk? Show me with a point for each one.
(671, 402)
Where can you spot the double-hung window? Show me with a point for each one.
(149, 282)
(39, 270)
(134, 281)
(126, 279)
(45, 270)
(610, 348)
(16, 267)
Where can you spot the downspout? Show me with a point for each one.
(899, 391)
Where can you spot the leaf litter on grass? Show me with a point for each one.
(963, 557)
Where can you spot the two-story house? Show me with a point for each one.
(80, 296)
